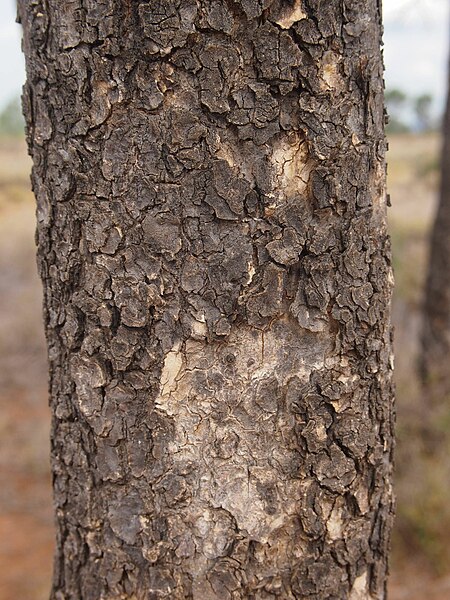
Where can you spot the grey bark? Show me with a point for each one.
(436, 326)
(210, 185)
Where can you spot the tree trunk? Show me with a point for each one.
(436, 326)
(210, 183)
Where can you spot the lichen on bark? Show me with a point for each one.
(211, 237)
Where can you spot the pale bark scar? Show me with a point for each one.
(292, 15)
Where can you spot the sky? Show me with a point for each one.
(415, 48)
(416, 44)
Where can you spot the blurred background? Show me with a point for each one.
(416, 50)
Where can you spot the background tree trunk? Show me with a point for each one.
(210, 184)
(436, 327)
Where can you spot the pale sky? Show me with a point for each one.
(415, 48)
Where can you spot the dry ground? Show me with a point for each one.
(420, 548)
(26, 536)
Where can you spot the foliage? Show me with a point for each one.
(422, 108)
(11, 119)
(395, 100)
(409, 113)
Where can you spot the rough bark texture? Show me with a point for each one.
(435, 361)
(210, 183)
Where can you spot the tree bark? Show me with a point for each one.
(436, 326)
(210, 185)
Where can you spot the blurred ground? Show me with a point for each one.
(26, 536)
(421, 543)
(421, 555)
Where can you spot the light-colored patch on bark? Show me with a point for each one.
(321, 431)
(331, 77)
(251, 272)
(348, 378)
(359, 590)
(311, 319)
(230, 422)
(292, 15)
(390, 277)
(379, 202)
(101, 102)
(379, 185)
(199, 329)
(89, 376)
(224, 152)
(335, 521)
(362, 498)
(235, 157)
(291, 166)
(172, 366)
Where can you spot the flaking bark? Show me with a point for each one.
(210, 185)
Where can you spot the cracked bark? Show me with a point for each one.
(210, 185)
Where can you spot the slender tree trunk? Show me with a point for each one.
(436, 327)
(210, 183)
